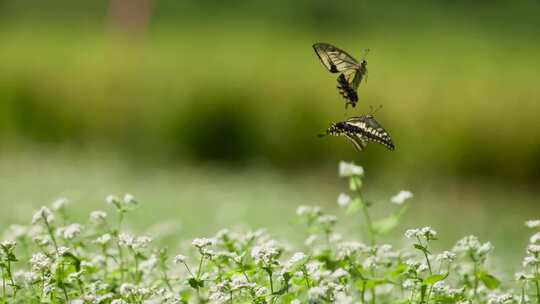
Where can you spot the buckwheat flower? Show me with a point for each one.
(484, 249)
(522, 276)
(408, 283)
(446, 256)
(71, 231)
(118, 301)
(129, 199)
(428, 232)
(500, 299)
(533, 249)
(401, 197)
(103, 239)
(327, 219)
(348, 249)
(127, 289)
(339, 273)
(179, 259)
(349, 169)
(260, 291)
(98, 215)
(310, 240)
(533, 223)
(530, 261)
(335, 237)
(40, 262)
(535, 238)
(296, 301)
(41, 214)
(126, 240)
(202, 242)
(316, 293)
(468, 243)
(297, 257)
(343, 298)
(62, 250)
(59, 203)
(265, 253)
(8, 245)
(141, 242)
(343, 200)
(411, 233)
(112, 200)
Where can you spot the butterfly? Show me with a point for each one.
(360, 130)
(352, 72)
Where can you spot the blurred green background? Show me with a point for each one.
(208, 110)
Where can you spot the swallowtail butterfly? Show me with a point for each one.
(360, 130)
(352, 72)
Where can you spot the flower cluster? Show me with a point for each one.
(54, 260)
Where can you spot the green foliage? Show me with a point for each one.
(56, 261)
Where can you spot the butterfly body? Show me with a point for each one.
(352, 71)
(360, 130)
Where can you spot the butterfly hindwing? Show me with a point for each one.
(372, 130)
(361, 130)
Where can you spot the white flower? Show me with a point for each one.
(40, 262)
(104, 239)
(98, 215)
(408, 283)
(533, 223)
(112, 199)
(339, 273)
(349, 169)
(126, 240)
(401, 197)
(446, 256)
(308, 210)
(59, 203)
(43, 213)
(347, 249)
(411, 233)
(202, 242)
(315, 293)
(118, 301)
(343, 200)
(297, 257)
(535, 238)
(142, 242)
(179, 259)
(260, 291)
(8, 245)
(327, 219)
(533, 249)
(71, 231)
(530, 260)
(62, 250)
(265, 253)
(522, 276)
(343, 298)
(310, 239)
(129, 199)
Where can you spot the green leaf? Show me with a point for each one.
(421, 248)
(434, 278)
(354, 206)
(387, 224)
(489, 281)
(193, 282)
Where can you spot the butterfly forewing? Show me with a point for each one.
(335, 59)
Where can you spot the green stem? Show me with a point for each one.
(368, 222)
(271, 281)
(3, 284)
(475, 280)
(200, 267)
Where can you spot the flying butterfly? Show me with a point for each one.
(351, 71)
(360, 130)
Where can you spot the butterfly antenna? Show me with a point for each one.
(366, 51)
(373, 110)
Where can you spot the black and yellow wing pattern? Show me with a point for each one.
(360, 130)
(351, 71)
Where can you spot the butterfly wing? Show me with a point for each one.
(372, 130)
(359, 142)
(335, 59)
(347, 86)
